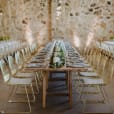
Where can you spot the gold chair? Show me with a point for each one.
(34, 48)
(96, 57)
(102, 63)
(16, 69)
(20, 63)
(94, 74)
(99, 82)
(23, 56)
(95, 66)
(16, 82)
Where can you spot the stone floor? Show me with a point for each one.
(59, 104)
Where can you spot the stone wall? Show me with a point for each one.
(79, 21)
(17, 10)
(85, 21)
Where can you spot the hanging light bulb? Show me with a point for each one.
(58, 8)
(1, 12)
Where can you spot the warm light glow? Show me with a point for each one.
(28, 34)
(1, 12)
(76, 41)
(57, 18)
(58, 14)
(41, 35)
(58, 8)
(90, 37)
(60, 1)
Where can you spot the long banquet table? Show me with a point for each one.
(47, 70)
(69, 80)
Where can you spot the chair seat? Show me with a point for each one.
(86, 64)
(82, 64)
(88, 74)
(24, 75)
(25, 70)
(90, 69)
(20, 81)
(93, 81)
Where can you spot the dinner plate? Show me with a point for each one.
(75, 66)
(36, 59)
(35, 65)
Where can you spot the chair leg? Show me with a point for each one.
(103, 93)
(11, 88)
(81, 92)
(100, 91)
(33, 94)
(78, 83)
(22, 101)
(28, 102)
(28, 99)
(38, 78)
(12, 91)
(36, 85)
(84, 106)
(36, 81)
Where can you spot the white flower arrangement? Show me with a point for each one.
(56, 60)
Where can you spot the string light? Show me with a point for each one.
(1, 12)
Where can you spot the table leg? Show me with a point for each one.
(47, 76)
(44, 91)
(70, 88)
(66, 77)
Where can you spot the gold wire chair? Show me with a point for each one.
(16, 82)
(20, 63)
(99, 82)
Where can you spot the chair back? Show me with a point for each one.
(89, 56)
(97, 59)
(102, 63)
(19, 59)
(33, 48)
(94, 56)
(108, 71)
(5, 70)
(26, 53)
(12, 64)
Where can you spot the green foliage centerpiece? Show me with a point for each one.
(2, 38)
(58, 56)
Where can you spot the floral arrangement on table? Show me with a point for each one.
(2, 38)
(112, 38)
(58, 56)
